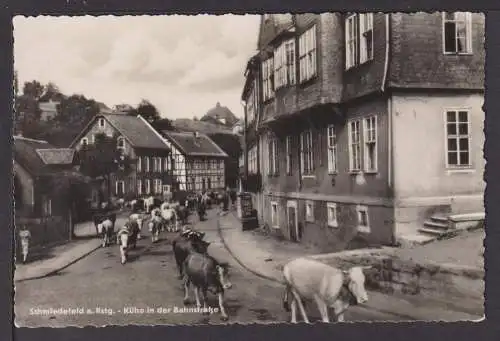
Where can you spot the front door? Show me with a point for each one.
(292, 222)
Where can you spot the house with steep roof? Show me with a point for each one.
(199, 163)
(150, 172)
(38, 204)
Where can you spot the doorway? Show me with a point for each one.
(292, 221)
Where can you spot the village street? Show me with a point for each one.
(149, 280)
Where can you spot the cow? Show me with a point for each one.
(155, 225)
(99, 218)
(139, 218)
(121, 203)
(187, 242)
(137, 205)
(126, 238)
(169, 215)
(329, 287)
(182, 214)
(204, 272)
(150, 203)
(106, 230)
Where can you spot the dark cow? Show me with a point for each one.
(204, 272)
(182, 214)
(186, 243)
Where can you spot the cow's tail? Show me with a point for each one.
(286, 295)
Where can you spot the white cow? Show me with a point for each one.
(148, 203)
(329, 287)
(121, 203)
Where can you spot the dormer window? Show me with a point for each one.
(284, 64)
(102, 122)
(84, 141)
(457, 33)
(120, 144)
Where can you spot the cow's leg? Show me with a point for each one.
(338, 310)
(197, 296)
(123, 254)
(301, 306)
(186, 291)
(204, 299)
(323, 309)
(293, 308)
(223, 314)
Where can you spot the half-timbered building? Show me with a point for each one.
(198, 162)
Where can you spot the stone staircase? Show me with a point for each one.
(442, 226)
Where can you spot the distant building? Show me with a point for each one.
(48, 110)
(150, 173)
(199, 163)
(220, 115)
(362, 126)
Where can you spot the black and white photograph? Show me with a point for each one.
(274, 168)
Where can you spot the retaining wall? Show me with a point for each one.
(457, 287)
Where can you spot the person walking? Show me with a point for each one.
(25, 237)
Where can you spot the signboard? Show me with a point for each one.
(246, 205)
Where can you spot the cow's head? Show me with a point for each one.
(223, 275)
(356, 283)
(199, 245)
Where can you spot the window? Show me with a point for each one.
(332, 214)
(457, 33)
(306, 153)
(93, 138)
(363, 220)
(307, 55)
(85, 141)
(139, 186)
(166, 188)
(370, 140)
(354, 146)
(273, 157)
(457, 138)
(284, 64)
(157, 183)
(365, 37)
(147, 163)
(332, 149)
(252, 160)
(310, 211)
(358, 39)
(267, 79)
(288, 150)
(139, 163)
(166, 164)
(120, 144)
(148, 186)
(274, 215)
(119, 188)
(46, 206)
(102, 123)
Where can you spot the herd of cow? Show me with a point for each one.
(304, 279)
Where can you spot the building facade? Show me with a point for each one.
(150, 172)
(198, 162)
(41, 203)
(362, 126)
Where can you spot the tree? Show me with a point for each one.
(195, 118)
(33, 89)
(148, 111)
(102, 159)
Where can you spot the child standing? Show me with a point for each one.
(25, 236)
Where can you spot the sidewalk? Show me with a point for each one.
(265, 257)
(57, 258)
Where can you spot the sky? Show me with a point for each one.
(184, 65)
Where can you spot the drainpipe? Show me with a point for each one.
(389, 102)
(245, 146)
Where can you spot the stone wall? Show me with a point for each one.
(456, 287)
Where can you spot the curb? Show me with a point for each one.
(256, 273)
(54, 271)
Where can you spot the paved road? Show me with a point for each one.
(149, 280)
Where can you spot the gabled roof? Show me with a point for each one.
(190, 145)
(136, 130)
(39, 157)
